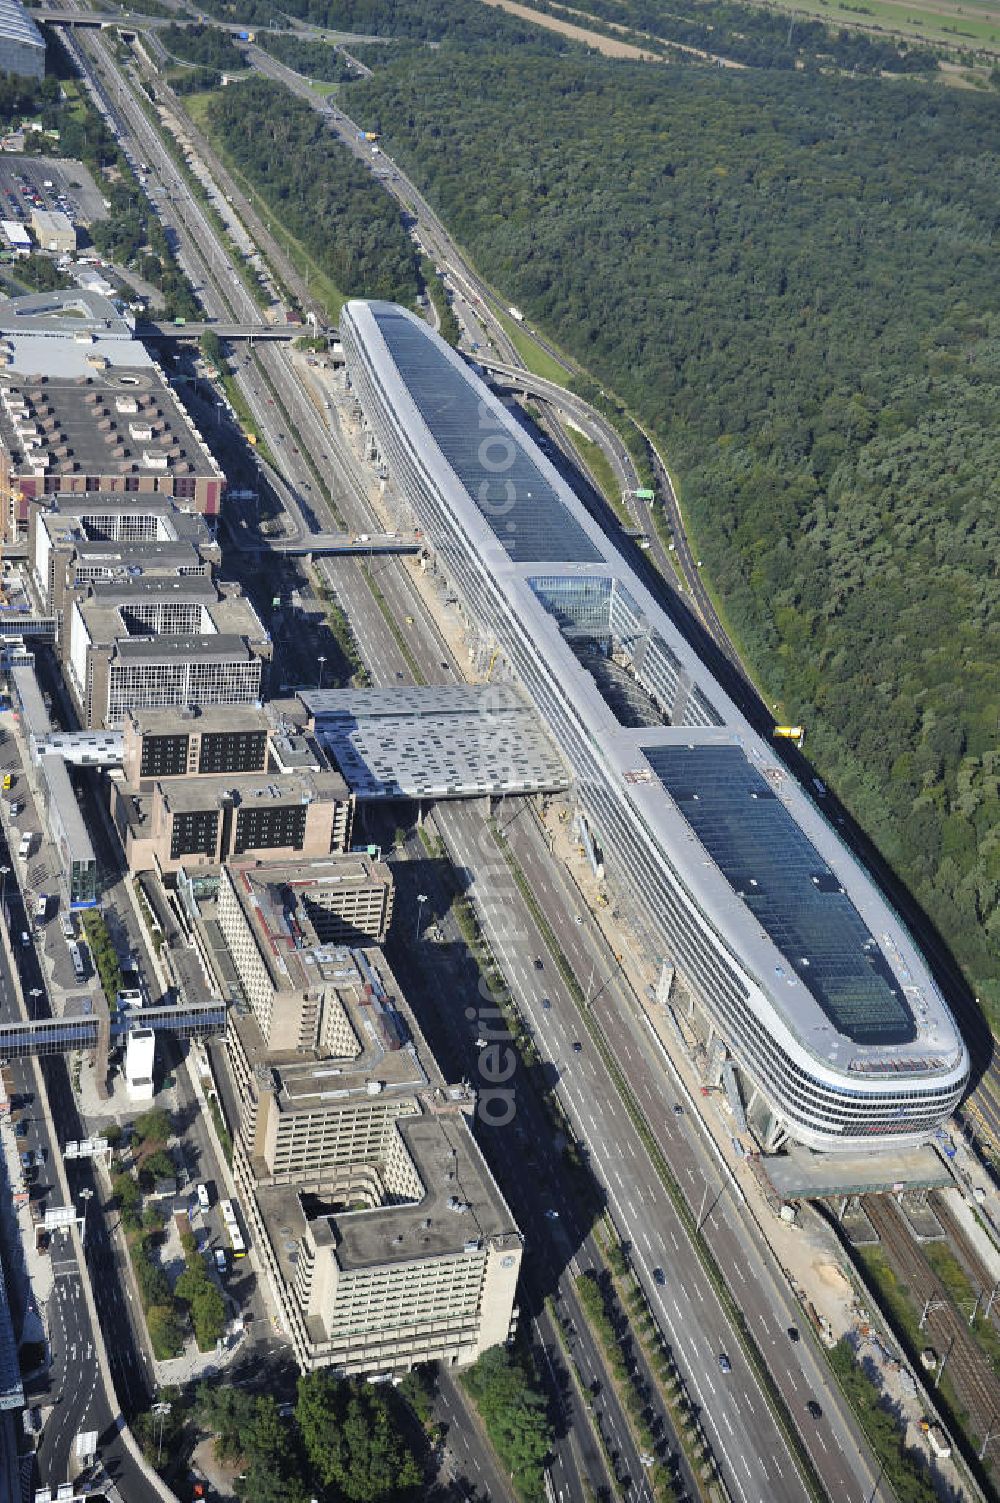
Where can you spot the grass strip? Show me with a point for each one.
(393, 625)
(609, 1320)
(659, 1356)
(751, 1351)
(571, 1362)
(340, 629)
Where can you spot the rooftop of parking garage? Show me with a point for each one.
(455, 741)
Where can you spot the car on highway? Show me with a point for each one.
(659, 1277)
(577, 1047)
(538, 963)
(814, 1409)
(546, 1004)
(552, 1215)
(21, 1130)
(578, 917)
(793, 1333)
(725, 1365)
(221, 1261)
(678, 1109)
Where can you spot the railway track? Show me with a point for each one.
(947, 1331)
(976, 1271)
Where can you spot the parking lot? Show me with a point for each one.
(73, 190)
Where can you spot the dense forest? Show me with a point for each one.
(791, 278)
(749, 35)
(307, 56)
(206, 45)
(318, 190)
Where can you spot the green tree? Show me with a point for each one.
(515, 1416)
(352, 1441)
(153, 1126)
(126, 1191)
(165, 1333)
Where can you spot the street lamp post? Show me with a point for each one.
(421, 900)
(321, 660)
(160, 1410)
(86, 1195)
(34, 994)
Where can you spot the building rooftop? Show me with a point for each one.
(68, 311)
(458, 740)
(255, 790)
(389, 1055)
(116, 611)
(460, 1208)
(867, 1006)
(275, 897)
(59, 791)
(78, 393)
(218, 647)
(176, 720)
(797, 1174)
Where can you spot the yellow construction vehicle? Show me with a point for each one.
(796, 733)
(493, 659)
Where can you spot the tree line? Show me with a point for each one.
(317, 189)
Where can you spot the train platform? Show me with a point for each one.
(798, 1174)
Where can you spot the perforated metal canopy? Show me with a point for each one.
(521, 506)
(778, 873)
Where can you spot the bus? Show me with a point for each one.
(77, 959)
(232, 1227)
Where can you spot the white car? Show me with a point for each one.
(202, 1193)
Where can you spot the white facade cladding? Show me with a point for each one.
(818, 991)
(22, 46)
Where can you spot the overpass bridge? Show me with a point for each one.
(151, 329)
(43, 1036)
(329, 544)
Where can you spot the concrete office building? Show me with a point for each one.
(162, 642)
(386, 1240)
(84, 408)
(201, 821)
(77, 541)
(194, 742)
(78, 869)
(278, 918)
(817, 1011)
(22, 46)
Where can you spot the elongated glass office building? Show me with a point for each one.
(830, 1016)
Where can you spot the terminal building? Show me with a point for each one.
(162, 641)
(816, 1008)
(85, 408)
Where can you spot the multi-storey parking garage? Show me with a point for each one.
(803, 974)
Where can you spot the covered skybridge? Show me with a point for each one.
(82, 1031)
